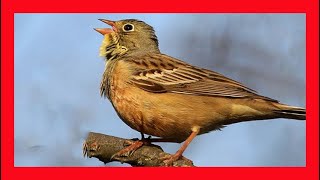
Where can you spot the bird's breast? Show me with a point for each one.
(122, 95)
(142, 110)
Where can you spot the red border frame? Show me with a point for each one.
(311, 8)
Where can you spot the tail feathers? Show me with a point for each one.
(291, 112)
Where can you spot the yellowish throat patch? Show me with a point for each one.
(107, 40)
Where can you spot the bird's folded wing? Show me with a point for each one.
(162, 73)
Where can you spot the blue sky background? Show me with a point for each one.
(58, 71)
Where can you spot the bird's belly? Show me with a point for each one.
(147, 119)
(164, 115)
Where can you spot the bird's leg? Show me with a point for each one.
(132, 146)
(169, 159)
(135, 144)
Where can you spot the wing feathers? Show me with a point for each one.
(182, 78)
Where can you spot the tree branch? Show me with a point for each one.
(103, 146)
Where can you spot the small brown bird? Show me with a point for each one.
(159, 95)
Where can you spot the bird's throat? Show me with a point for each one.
(110, 47)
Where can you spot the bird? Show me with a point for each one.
(170, 99)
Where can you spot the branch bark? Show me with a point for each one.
(103, 147)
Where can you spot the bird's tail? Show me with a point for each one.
(290, 112)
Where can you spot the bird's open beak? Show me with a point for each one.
(104, 31)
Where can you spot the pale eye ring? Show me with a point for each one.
(128, 27)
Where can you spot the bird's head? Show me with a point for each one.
(127, 35)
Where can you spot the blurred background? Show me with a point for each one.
(58, 71)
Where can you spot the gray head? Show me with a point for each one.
(132, 34)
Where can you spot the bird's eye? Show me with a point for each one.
(128, 27)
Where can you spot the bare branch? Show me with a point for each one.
(103, 146)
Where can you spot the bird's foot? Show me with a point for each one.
(132, 147)
(168, 160)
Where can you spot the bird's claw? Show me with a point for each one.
(168, 160)
(129, 150)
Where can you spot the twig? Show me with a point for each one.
(103, 146)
